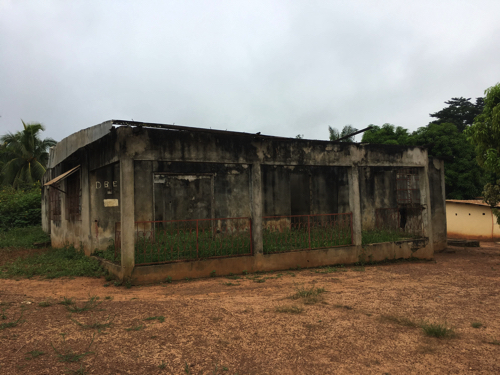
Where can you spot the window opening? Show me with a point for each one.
(55, 202)
(74, 195)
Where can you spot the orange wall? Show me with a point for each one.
(471, 222)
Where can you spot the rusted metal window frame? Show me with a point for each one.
(74, 196)
(55, 202)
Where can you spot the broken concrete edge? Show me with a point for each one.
(348, 255)
(463, 243)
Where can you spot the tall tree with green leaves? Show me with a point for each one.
(346, 130)
(460, 111)
(25, 155)
(484, 134)
(463, 177)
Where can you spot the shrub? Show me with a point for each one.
(20, 208)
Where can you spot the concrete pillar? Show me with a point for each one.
(257, 209)
(127, 215)
(86, 237)
(425, 201)
(355, 204)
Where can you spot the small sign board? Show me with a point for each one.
(111, 203)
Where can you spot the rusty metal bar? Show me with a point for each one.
(309, 230)
(197, 242)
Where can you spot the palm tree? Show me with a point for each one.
(25, 154)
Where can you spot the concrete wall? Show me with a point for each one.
(472, 222)
(142, 174)
(105, 205)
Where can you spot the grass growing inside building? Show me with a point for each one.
(384, 235)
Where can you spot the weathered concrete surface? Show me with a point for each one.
(231, 175)
(272, 262)
(75, 141)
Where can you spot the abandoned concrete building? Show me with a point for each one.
(156, 201)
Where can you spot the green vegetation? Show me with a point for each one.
(12, 324)
(484, 134)
(24, 155)
(66, 354)
(476, 324)
(437, 330)
(54, 263)
(34, 354)
(90, 304)
(45, 304)
(346, 130)
(66, 301)
(276, 241)
(22, 237)
(160, 318)
(445, 138)
(289, 309)
(331, 269)
(20, 208)
(181, 245)
(383, 235)
(309, 296)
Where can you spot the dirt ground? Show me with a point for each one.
(247, 326)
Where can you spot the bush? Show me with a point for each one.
(20, 208)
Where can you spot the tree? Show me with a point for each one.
(388, 134)
(25, 154)
(485, 132)
(460, 111)
(335, 134)
(463, 177)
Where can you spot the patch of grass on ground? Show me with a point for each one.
(22, 237)
(45, 304)
(381, 235)
(437, 330)
(309, 296)
(476, 324)
(54, 263)
(160, 318)
(407, 322)
(12, 324)
(289, 309)
(90, 304)
(66, 301)
(331, 269)
(34, 353)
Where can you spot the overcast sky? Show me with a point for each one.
(278, 67)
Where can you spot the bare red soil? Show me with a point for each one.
(228, 326)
